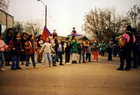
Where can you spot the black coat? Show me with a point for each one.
(68, 47)
(56, 47)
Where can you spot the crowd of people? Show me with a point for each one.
(18, 48)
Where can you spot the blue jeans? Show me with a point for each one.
(1, 59)
(15, 58)
(47, 55)
(60, 56)
(81, 58)
(33, 59)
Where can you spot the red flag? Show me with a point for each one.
(46, 33)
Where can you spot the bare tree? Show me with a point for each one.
(134, 15)
(103, 23)
(33, 28)
(4, 5)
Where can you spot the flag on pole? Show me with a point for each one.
(46, 33)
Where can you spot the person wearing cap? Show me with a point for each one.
(40, 42)
(126, 43)
(8, 36)
(30, 47)
(3, 46)
(23, 41)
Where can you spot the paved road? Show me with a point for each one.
(95, 78)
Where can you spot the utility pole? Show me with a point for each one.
(45, 12)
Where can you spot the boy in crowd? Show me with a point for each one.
(81, 51)
(88, 51)
(59, 51)
(67, 50)
(110, 47)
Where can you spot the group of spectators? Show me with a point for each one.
(18, 48)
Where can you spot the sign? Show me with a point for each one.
(6, 19)
(2, 18)
(9, 21)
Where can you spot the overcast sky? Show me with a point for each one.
(63, 14)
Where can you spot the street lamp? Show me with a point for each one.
(45, 12)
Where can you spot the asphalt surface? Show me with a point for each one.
(94, 78)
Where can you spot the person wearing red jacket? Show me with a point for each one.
(30, 47)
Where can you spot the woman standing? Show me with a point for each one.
(7, 53)
(15, 46)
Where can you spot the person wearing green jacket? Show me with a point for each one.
(103, 47)
(74, 49)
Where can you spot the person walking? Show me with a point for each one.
(30, 47)
(126, 43)
(3, 46)
(47, 47)
(16, 47)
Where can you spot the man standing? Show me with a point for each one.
(126, 43)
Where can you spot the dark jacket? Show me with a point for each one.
(81, 49)
(23, 41)
(38, 45)
(68, 47)
(7, 39)
(14, 43)
(56, 48)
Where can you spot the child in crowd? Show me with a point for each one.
(67, 50)
(40, 42)
(16, 47)
(59, 51)
(3, 46)
(96, 49)
(88, 50)
(47, 47)
(74, 49)
(81, 51)
(23, 41)
(110, 47)
(30, 47)
(103, 47)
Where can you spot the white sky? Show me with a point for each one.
(63, 14)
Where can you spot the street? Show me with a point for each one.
(94, 78)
